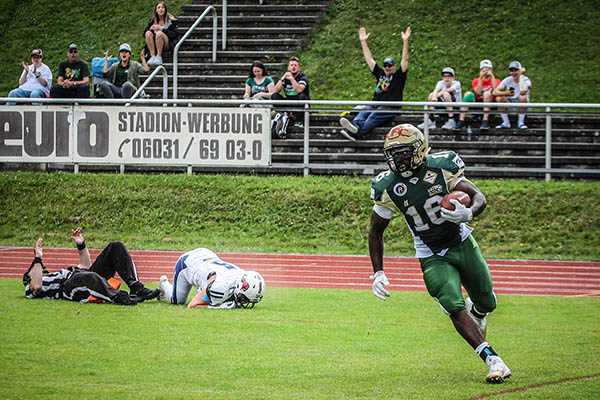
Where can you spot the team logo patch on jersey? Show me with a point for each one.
(436, 189)
(400, 189)
(459, 162)
(430, 177)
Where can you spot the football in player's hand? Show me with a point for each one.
(462, 197)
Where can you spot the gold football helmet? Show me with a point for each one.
(405, 148)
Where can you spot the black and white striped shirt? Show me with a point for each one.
(51, 285)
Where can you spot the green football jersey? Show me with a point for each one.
(419, 198)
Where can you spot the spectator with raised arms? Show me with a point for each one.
(390, 87)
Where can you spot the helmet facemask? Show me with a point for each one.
(400, 158)
(405, 149)
(249, 290)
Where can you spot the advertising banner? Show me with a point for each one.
(136, 135)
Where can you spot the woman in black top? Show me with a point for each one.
(161, 34)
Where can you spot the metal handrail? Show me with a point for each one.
(187, 34)
(149, 78)
(224, 25)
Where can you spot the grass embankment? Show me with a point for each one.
(550, 38)
(327, 215)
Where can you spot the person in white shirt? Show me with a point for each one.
(219, 284)
(35, 80)
(448, 90)
(515, 89)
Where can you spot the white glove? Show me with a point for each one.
(460, 213)
(379, 281)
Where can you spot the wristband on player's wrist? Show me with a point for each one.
(37, 260)
(81, 246)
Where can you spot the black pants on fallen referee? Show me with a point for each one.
(114, 258)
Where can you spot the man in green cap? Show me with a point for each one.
(390, 87)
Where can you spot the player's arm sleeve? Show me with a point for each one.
(382, 211)
(384, 206)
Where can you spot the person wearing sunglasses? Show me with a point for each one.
(73, 77)
(390, 87)
(35, 80)
(514, 89)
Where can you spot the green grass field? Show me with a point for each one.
(296, 344)
(304, 343)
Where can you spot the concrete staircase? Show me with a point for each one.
(272, 30)
(269, 31)
(575, 144)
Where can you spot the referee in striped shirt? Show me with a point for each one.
(87, 279)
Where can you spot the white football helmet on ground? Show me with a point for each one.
(249, 289)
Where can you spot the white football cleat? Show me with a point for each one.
(163, 278)
(482, 322)
(498, 370)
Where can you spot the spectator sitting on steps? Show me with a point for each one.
(161, 34)
(448, 90)
(259, 84)
(125, 75)
(35, 79)
(390, 87)
(515, 89)
(294, 85)
(482, 91)
(73, 77)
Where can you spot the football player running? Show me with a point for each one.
(449, 256)
(219, 284)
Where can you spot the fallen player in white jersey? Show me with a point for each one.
(219, 284)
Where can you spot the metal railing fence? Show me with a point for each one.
(165, 85)
(314, 107)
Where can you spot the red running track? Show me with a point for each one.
(523, 277)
